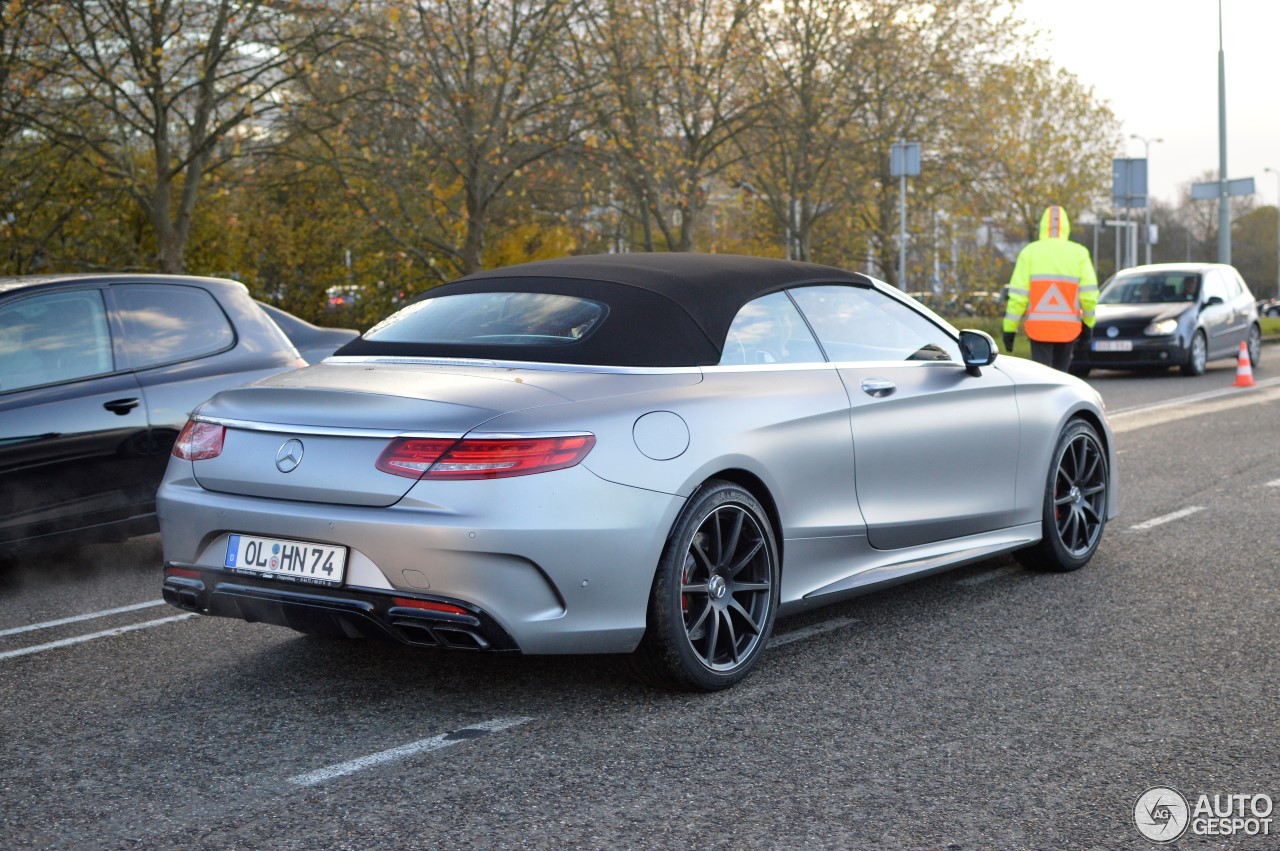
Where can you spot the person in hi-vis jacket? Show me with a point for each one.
(1053, 292)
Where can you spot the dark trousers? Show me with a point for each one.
(1056, 355)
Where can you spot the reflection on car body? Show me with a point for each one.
(667, 453)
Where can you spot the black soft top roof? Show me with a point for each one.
(664, 309)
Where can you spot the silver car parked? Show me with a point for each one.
(645, 454)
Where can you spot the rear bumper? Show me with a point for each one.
(561, 562)
(333, 611)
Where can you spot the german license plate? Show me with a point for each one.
(277, 558)
(1113, 345)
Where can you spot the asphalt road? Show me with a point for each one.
(988, 707)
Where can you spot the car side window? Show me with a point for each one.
(769, 330)
(1213, 286)
(1240, 283)
(859, 324)
(1232, 280)
(51, 338)
(165, 324)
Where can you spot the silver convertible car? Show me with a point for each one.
(646, 454)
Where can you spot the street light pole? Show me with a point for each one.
(1146, 156)
(1224, 211)
(1277, 174)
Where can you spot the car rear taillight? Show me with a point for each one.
(199, 441)
(483, 457)
(411, 456)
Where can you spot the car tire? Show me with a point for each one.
(1255, 346)
(1074, 506)
(715, 594)
(1197, 355)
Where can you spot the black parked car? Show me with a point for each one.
(97, 375)
(1171, 314)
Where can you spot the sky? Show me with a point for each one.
(1156, 63)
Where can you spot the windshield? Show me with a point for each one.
(492, 319)
(1157, 288)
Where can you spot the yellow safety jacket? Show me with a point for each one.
(1053, 284)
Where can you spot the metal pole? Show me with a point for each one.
(1224, 211)
(902, 230)
(1277, 174)
(1125, 257)
(1146, 156)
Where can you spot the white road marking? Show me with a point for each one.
(1275, 484)
(810, 631)
(983, 578)
(1166, 518)
(435, 743)
(1132, 419)
(90, 616)
(80, 639)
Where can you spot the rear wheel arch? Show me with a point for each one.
(715, 592)
(753, 485)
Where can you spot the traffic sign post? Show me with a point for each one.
(904, 162)
(1128, 191)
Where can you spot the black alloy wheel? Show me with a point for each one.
(715, 594)
(1075, 503)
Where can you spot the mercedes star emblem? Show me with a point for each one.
(289, 456)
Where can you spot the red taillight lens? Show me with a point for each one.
(199, 441)
(482, 458)
(493, 458)
(411, 456)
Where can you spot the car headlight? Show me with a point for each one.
(1163, 328)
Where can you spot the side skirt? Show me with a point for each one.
(875, 569)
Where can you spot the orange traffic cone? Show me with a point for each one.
(1244, 372)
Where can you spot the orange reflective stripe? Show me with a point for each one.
(1053, 314)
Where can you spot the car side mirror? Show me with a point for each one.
(1211, 301)
(978, 350)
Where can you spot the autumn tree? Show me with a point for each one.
(807, 52)
(673, 90)
(434, 114)
(916, 61)
(1041, 138)
(158, 93)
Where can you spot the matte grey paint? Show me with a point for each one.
(565, 560)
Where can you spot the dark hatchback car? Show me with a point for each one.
(97, 376)
(1174, 314)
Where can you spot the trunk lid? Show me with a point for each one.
(315, 434)
(327, 424)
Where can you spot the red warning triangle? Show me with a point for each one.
(1053, 301)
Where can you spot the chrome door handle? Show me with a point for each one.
(878, 387)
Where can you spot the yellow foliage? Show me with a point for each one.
(521, 243)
